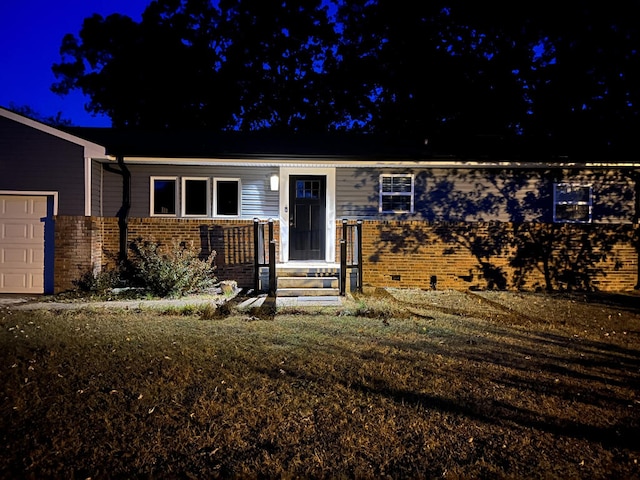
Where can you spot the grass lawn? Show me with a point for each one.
(415, 386)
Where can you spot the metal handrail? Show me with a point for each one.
(351, 253)
(264, 254)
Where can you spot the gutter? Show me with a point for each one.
(636, 223)
(123, 213)
(319, 161)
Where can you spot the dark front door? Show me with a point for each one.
(307, 217)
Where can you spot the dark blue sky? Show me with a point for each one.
(31, 32)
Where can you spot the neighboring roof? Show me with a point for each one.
(91, 149)
(267, 144)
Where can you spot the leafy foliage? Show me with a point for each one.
(418, 69)
(99, 282)
(28, 111)
(242, 65)
(170, 271)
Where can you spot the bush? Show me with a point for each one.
(98, 282)
(170, 271)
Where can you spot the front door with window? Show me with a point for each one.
(307, 217)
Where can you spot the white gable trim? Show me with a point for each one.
(90, 149)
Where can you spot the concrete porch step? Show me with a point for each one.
(309, 272)
(308, 282)
(308, 292)
(305, 279)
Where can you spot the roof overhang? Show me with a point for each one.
(91, 149)
(342, 162)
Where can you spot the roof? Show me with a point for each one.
(203, 144)
(354, 146)
(91, 149)
(233, 144)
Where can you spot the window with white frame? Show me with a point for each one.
(396, 193)
(226, 200)
(196, 197)
(163, 196)
(572, 203)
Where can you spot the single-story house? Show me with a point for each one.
(451, 215)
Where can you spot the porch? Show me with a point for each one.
(307, 278)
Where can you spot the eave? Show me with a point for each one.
(342, 162)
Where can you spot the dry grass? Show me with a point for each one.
(420, 385)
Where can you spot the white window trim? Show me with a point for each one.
(152, 197)
(215, 197)
(183, 196)
(396, 194)
(556, 202)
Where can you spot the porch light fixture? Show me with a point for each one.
(275, 182)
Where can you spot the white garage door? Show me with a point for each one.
(22, 243)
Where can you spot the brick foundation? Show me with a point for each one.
(412, 254)
(463, 256)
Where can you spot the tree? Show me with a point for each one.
(28, 111)
(243, 64)
(468, 68)
(418, 69)
(421, 73)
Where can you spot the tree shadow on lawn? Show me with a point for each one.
(541, 350)
(490, 411)
(267, 309)
(624, 301)
(566, 377)
(547, 354)
(498, 413)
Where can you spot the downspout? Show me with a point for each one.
(636, 223)
(123, 213)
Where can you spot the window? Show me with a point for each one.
(396, 193)
(163, 196)
(307, 189)
(195, 197)
(226, 197)
(572, 203)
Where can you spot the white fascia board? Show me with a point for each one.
(87, 186)
(90, 149)
(325, 162)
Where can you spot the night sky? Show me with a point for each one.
(31, 33)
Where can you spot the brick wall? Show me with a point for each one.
(232, 240)
(78, 249)
(464, 256)
(90, 243)
(395, 253)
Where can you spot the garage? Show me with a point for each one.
(23, 219)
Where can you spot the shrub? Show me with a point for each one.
(170, 271)
(98, 282)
